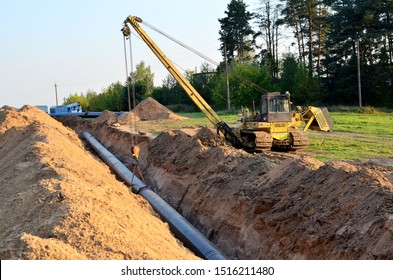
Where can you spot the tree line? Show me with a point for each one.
(315, 49)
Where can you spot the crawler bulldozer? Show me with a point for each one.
(274, 126)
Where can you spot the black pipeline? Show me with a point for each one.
(182, 229)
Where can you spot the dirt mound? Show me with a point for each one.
(150, 109)
(127, 117)
(106, 117)
(58, 202)
(12, 117)
(273, 207)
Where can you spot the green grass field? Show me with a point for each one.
(355, 135)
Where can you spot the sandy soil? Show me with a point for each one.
(150, 109)
(272, 205)
(57, 201)
(267, 206)
(252, 206)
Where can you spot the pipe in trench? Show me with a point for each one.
(182, 229)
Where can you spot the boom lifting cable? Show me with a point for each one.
(180, 43)
(132, 123)
(184, 70)
(198, 80)
(134, 164)
(201, 55)
(132, 76)
(126, 65)
(237, 76)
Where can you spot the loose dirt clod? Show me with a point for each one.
(59, 202)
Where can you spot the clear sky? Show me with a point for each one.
(78, 44)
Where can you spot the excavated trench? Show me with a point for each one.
(265, 206)
(250, 206)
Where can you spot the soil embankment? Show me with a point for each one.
(57, 201)
(270, 205)
(252, 206)
(274, 207)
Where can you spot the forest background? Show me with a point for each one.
(344, 56)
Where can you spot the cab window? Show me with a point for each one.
(278, 105)
(264, 106)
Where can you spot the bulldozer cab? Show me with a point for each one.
(275, 107)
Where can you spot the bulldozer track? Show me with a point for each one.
(299, 139)
(263, 141)
(258, 140)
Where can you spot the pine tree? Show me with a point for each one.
(236, 32)
(269, 23)
(366, 22)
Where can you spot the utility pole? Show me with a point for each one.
(359, 76)
(57, 103)
(227, 77)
